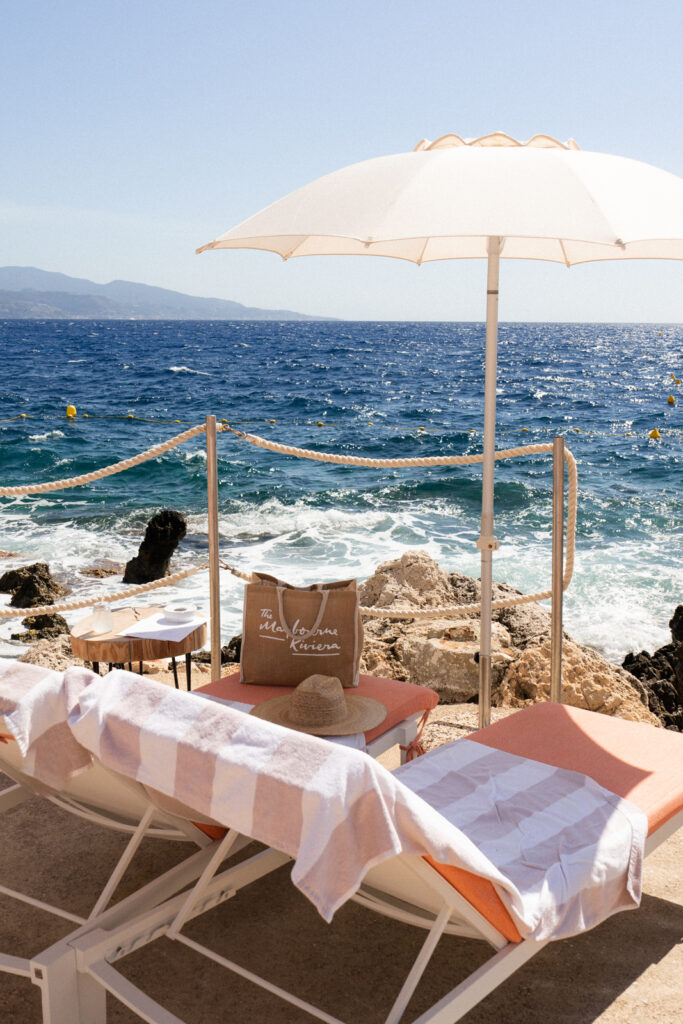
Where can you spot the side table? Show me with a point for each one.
(120, 650)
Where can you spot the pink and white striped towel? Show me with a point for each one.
(337, 812)
(35, 702)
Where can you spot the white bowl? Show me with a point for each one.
(179, 612)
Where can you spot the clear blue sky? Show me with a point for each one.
(133, 132)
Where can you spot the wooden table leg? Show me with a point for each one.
(175, 673)
(140, 669)
(188, 670)
(96, 667)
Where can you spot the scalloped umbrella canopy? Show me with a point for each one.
(492, 197)
(547, 200)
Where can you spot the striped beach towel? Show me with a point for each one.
(35, 703)
(337, 812)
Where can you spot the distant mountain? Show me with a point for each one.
(29, 293)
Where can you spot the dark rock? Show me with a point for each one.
(152, 562)
(663, 702)
(41, 627)
(31, 585)
(230, 654)
(661, 674)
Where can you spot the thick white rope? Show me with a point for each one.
(87, 602)
(357, 460)
(98, 474)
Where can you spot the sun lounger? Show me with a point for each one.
(540, 773)
(39, 753)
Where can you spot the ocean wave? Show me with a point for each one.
(188, 369)
(45, 437)
(371, 387)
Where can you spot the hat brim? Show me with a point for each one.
(362, 714)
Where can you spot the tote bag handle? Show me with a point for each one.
(324, 594)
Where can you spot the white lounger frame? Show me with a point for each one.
(74, 974)
(139, 819)
(133, 812)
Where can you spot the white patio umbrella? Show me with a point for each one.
(491, 197)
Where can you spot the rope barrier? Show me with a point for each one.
(357, 460)
(98, 474)
(307, 453)
(86, 602)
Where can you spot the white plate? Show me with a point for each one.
(181, 613)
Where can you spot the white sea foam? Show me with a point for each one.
(46, 436)
(188, 369)
(615, 603)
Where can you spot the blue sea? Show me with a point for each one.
(375, 389)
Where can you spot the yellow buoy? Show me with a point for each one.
(370, 423)
(677, 380)
(525, 429)
(71, 411)
(320, 423)
(671, 400)
(654, 434)
(130, 416)
(272, 421)
(86, 416)
(22, 415)
(660, 334)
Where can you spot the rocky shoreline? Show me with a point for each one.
(442, 653)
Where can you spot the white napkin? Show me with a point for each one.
(159, 627)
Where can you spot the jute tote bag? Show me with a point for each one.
(290, 633)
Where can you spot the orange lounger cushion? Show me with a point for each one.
(634, 760)
(483, 897)
(400, 699)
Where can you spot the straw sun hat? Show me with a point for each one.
(320, 707)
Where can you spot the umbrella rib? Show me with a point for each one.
(564, 253)
(292, 251)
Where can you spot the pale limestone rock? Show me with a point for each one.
(527, 623)
(53, 653)
(588, 681)
(413, 579)
(447, 666)
(439, 652)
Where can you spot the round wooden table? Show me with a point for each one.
(121, 650)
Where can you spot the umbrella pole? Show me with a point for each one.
(487, 543)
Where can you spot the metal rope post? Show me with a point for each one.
(214, 578)
(487, 543)
(557, 571)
